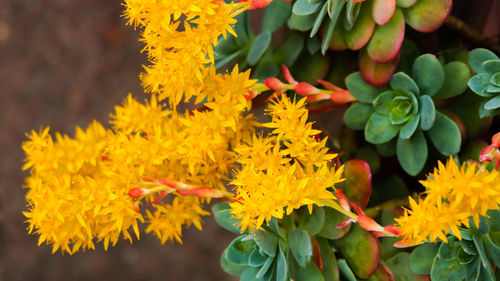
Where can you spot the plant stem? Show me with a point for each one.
(471, 34)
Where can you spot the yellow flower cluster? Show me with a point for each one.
(288, 169)
(453, 194)
(78, 187)
(179, 37)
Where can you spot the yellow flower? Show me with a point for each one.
(279, 177)
(453, 195)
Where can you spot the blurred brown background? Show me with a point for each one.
(64, 63)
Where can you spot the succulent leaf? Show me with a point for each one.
(230, 268)
(332, 219)
(478, 56)
(445, 135)
(383, 10)
(492, 66)
(409, 127)
(304, 7)
(379, 129)
(361, 90)
(405, 3)
(457, 75)
(276, 14)
(330, 266)
(412, 153)
(479, 84)
(401, 81)
(358, 184)
(493, 103)
(377, 74)
(428, 15)
(300, 246)
(422, 257)
(427, 112)
(387, 39)
(301, 23)
(357, 115)
(312, 222)
(258, 48)
(428, 73)
(362, 30)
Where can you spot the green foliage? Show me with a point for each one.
(486, 82)
(407, 109)
(222, 215)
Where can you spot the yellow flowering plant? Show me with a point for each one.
(305, 204)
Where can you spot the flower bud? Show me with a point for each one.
(138, 192)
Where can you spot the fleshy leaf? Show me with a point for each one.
(290, 50)
(379, 129)
(422, 257)
(405, 3)
(361, 251)
(309, 273)
(493, 103)
(387, 39)
(222, 215)
(428, 73)
(383, 273)
(361, 90)
(276, 14)
(282, 264)
(401, 81)
(338, 41)
(330, 266)
(312, 222)
(409, 127)
(357, 115)
(231, 268)
(385, 102)
(383, 10)
(400, 267)
(332, 219)
(479, 84)
(445, 135)
(374, 73)
(358, 183)
(319, 20)
(457, 75)
(448, 271)
(304, 7)
(428, 15)
(239, 251)
(300, 245)
(491, 66)
(258, 48)
(427, 112)
(346, 270)
(362, 30)
(301, 23)
(412, 153)
(478, 56)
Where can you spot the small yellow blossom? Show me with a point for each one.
(453, 194)
(280, 177)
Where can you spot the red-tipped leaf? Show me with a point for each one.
(358, 184)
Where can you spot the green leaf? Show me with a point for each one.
(330, 266)
(250, 274)
(388, 149)
(358, 182)
(357, 115)
(231, 268)
(290, 50)
(483, 112)
(495, 79)
(479, 84)
(379, 129)
(484, 275)
(377, 74)
(332, 219)
(478, 56)
(362, 30)
(482, 254)
(464, 257)
(369, 154)
(309, 273)
(319, 20)
(427, 112)
(313, 45)
(276, 14)
(400, 267)
(409, 53)
(300, 245)
(448, 251)
(351, 14)
(266, 68)
(239, 250)
(383, 273)
(429, 74)
(473, 269)
(412, 153)
(361, 90)
(222, 215)
(492, 249)
(267, 242)
(385, 102)
(405, 3)
(301, 23)
(346, 270)
(274, 226)
(281, 265)
(468, 245)
(457, 75)
(265, 267)
(259, 47)
(447, 271)
(422, 257)
(401, 81)
(361, 251)
(337, 8)
(256, 259)
(243, 29)
(221, 60)
(493, 103)
(304, 7)
(409, 127)
(445, 135)
(313, 222)
(387, 39)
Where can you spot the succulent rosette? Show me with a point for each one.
(486, 82)
(403, 112)
(376, 27)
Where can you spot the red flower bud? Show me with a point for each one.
(288, 75)
(495, 140)
(138, 192)
(274, 84)
(306, 89)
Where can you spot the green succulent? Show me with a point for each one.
(401, 113)
(486, 82)
(473, 258)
